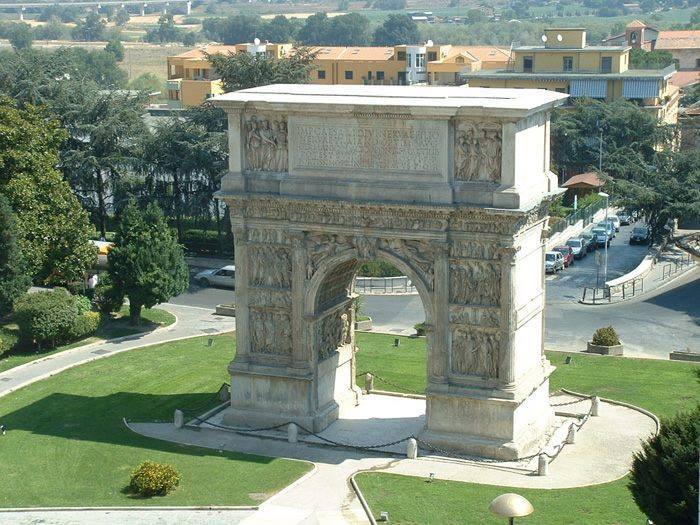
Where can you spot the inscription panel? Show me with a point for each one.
(368, 148)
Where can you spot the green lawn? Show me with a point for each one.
(117, 326)
(66, 444)
(664, 387)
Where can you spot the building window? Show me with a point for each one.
(321, 74)
(527, 64)
(420, 60)
(369, 75)
(401, 56)
(380, 75)
(697, 63)
(432, 56)
(348, 75)
(633, 37)
(606, 64)
(568, 63)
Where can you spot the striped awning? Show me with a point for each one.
(640, 88)
(589, 88)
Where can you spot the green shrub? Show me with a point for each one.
(82, 304)
(664, 476)
(605, 337)
(85, 325)
(43, 317)
(107, 298)
(420, 328)
(378, 269)
(154, 479)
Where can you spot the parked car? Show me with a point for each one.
(591, 241)
(625, 218)
(640, 235)
(553, 262)
(225, 276)
(567, 253)
(609, 228)
(602, 236)
(615, 220)
(578, 247)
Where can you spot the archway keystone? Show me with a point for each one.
(450, 185)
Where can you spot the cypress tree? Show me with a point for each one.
(147, 264)
(13, 280)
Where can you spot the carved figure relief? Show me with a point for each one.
(474, 250)
(475, 353)
(266, 143)
(270, 266)
(271, 332)
(419, 254)
(478, 152)
(475, 283)
(475, 316)
(331, 333)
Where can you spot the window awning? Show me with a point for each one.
(640, 88)
(589, 88)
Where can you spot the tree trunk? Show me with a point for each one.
(134, 314)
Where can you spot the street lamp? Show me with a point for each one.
(511, 506)
(607, 203)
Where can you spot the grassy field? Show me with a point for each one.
(140, 59)
(117, 326)
(664, 387)
(66, 444)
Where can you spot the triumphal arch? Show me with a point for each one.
(448, 184)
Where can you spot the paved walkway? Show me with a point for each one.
(122, 517)
(190, 322)
(602, 453)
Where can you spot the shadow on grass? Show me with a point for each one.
(99, 419)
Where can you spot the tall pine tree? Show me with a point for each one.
(13, 281)
(147, 264)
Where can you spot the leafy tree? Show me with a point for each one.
(390, 5)
(233, 29)
(54, 231)
(664, 476)
(20, 36)
(103, 129)
(147, 264)
(189, 38)
(280, 29)
(348, 30)
(90, 29)
(148, 82)
(397, 29)
(64, 13)
(315, 30)
(13, 281)
(121, 17)
(691, 95)
(116, 48)
(165, 32)
(657, 59)
(245, 70)
(54, 30)
(695, 17)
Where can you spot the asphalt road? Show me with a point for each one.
(666, 320)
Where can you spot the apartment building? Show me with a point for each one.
(192, 79)
(567, 64)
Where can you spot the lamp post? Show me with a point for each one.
(511, 506)
(607, 240)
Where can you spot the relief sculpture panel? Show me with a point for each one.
(271, 332)
(478, 151)
(475, 353)
(475, 282)
(270, 266)
(333, 331)
(266, 143)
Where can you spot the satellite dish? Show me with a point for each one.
(256, 41)
(559, 38)
(544, 38)
(429, 43)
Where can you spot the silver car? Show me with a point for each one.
(225, 276)
(553, 262)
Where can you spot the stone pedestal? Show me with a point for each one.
(451, 186)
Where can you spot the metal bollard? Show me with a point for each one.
(542, 465)
(369, 382)
(595, 407)
(412, 449)
(571, 436)
(178, 418)
(292, 433)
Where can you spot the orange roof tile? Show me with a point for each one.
(589, 179)
(353, 53)
(637, 23)
(678, 40)
(685, 78)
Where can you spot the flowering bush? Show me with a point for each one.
(154, 479)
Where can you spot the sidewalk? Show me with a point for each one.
(190, 322)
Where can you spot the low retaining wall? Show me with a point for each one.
(384, 285)
(572, 231)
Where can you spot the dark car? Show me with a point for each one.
(625, 218)
(567, 253)
(640, 235)
(591, 241)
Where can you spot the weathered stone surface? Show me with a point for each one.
(449, 185)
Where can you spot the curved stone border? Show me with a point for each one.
(361, 498)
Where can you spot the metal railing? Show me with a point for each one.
(584, 214)
(674, 267)
(595, 295)
(384, 285)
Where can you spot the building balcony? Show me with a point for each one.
(173, 84)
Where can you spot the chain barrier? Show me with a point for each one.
(402, 389)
